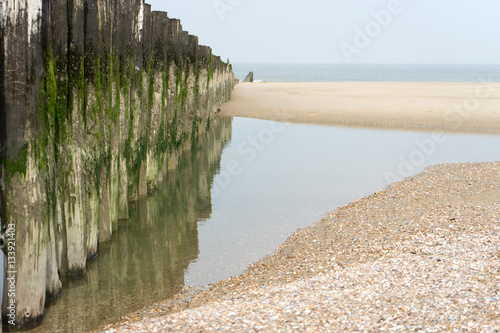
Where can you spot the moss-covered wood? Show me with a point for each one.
(97, 100)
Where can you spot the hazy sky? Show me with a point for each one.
(344, 31)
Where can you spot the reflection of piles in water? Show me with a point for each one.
(219, 135)
(183, 200)
(146, 260)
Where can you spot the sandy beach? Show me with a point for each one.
(449, 106)
(421, 255)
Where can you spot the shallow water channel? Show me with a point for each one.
(240, 191)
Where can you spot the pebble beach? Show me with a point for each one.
(421, 255)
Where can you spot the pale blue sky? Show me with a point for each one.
(327, 31)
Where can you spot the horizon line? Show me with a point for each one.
(354, 64)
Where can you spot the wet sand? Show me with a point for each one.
(448, 106)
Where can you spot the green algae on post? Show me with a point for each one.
(102, 107)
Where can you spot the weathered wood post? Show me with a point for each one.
(95, 96)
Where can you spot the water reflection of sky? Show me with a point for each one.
(303, 173)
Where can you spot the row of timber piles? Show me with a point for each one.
(97, 99)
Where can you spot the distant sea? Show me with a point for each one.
(368, 73)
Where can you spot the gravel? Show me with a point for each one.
(422, 255)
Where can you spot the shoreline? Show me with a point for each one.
(456, 107)
(422, 253)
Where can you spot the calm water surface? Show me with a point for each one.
(238, 194)
(368, 73)
(303, 173)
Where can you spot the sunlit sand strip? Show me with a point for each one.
(448, 106)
